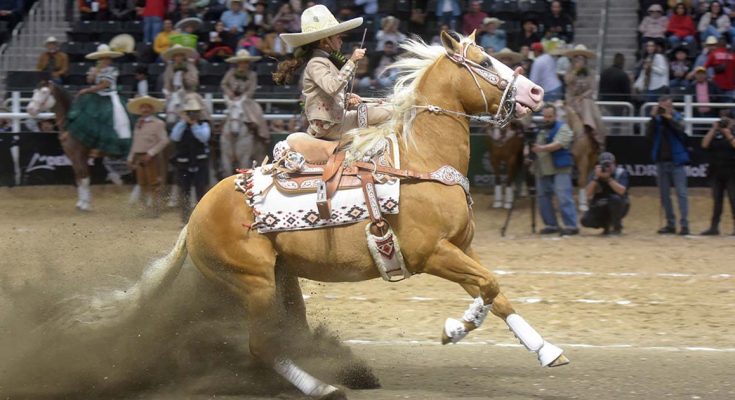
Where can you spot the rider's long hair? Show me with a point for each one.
(287, 68)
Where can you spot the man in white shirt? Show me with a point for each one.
(543, 73)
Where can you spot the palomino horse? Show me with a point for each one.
(506, 149)
(242, 143)
(439, 88)
(584, 150)
(51, 97)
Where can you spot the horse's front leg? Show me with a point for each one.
(451, 263)
(78, 155)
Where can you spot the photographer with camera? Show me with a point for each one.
(669, 152)
(191, 156)
(608, 189)
(720, 144)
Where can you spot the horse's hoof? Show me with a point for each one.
(82, 206)
(583, 208)
(548, 354)
(335, 395)
(507, 206)
(561, 360)
(497, 204)
(453, 331)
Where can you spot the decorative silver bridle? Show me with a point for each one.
(507, 106)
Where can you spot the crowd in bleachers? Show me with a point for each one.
(12, 12)
(687, 48)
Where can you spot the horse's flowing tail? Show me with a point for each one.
(110, 309)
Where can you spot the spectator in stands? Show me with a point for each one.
(215, 9)
(389, 32)
(681, 27)
(235, 19)
(707, 47)
(122, 10)
(221, 37)
(543, 73)
(704, 91)
(653, 76)
(141, 79)
(184, 10)
(273, 45)
(580, 88)
(679, 68)
(11, 12)
(436, 40)
(261, 18)
(191, 137)
(558, 24)
(720, 144)
(369, 11)
(554, 173)
(491, 37)
(529, 33)
(93, 10)
(669, 152)
(448, 12)
(615, 82)
(608, 189)
(289, 17)
(146, 153)
(473, 19)
(653, 26)
(383, 78)
(153, 13)
(722, 61)
(250, 41)
(5, 124)
(53, 61)
(163, 39)
(716, 23)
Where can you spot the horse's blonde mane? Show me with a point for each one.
(411, 66)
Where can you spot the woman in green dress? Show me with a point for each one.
(98, 117)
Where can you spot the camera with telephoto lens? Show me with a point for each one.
(723, 123)
(529, 137)
(605, 166)
(194, 115)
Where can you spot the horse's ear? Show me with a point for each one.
(472, 35)
(450, 43)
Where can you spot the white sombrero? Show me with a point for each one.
(580, 50)
(508, 56)
(192, 105)
(189, 21)
(123, 43)
(317, 22)
(242, 55)
(178, 49)
(103, 51)
(135, 104)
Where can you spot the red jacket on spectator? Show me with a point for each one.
(472, 21)
(723, 62)
(681, 26)
(155, 8)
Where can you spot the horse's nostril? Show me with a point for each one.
(536, 91)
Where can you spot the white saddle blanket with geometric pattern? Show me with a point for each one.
(278, 212)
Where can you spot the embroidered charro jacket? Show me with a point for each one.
(323, 88)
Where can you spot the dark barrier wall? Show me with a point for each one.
(36, 158)
(32, 158)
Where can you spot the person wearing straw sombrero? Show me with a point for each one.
(180, 79)
(191, 136)
(508, 57)
(243, 139)
(149, 140)
(327, 75)
(580, 83)
(97, 117)
(491, 36)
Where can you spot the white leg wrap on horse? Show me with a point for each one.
(498, 198)
(583, 200)
(309, 385)
(532, 340)
(475, 314)
(509, 196)
(85, 195)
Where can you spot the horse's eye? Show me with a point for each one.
(487, 63)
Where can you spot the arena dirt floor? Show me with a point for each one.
(640, 316)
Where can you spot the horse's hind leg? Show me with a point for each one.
(451, 263)
(78, 155)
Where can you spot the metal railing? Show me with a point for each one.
(601, 35)
(44, 17)
(688, 106)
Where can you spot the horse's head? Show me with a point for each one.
(43, 99)
(486, 84)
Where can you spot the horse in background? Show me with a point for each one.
(243, 142)
(506, 150)
(585, 151)
(50, 97)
